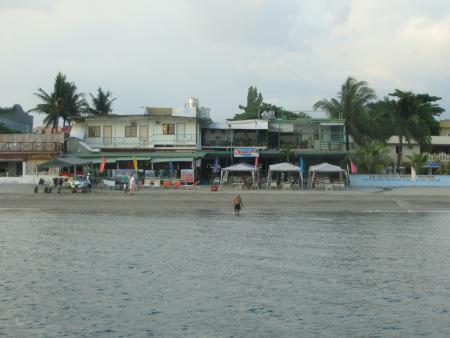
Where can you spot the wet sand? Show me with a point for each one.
(367, 200)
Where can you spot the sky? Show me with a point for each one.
(159, 53)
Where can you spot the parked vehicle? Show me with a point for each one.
(81, 183)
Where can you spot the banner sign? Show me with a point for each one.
(149, 174)
(123, 172)
(246, 152)
(187, 175)
(399, 181)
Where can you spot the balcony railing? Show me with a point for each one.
(142, 142)
(30, 147)
(441, 157)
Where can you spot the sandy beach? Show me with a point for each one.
(399, 199)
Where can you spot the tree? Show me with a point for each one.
(273, 111)
(256, 108)
(417, 160)
(352, 105)
(102, 103)
(372, 157)
(253, 108)
(412, 118)
(64, 102)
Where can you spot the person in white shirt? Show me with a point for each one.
(131, 184)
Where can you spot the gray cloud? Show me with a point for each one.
(160, 53)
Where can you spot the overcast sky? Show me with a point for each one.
(158, 53)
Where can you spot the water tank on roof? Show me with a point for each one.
(192, 102)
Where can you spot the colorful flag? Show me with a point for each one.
(135, 162)
(102, 165)
(256, 162)
(353, 168)
(302, 165)
(413, 174)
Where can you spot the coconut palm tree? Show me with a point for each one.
(63, 103)
(412, 118)
(351, 105)
(102, 103)
(372, 157)
(417, 160)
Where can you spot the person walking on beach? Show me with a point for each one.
(237, 202)
(131, 184)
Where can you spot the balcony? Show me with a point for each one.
(31, 143)
(30, 147)
(156, 141)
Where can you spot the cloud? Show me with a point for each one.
(26, 4)
(161, 52)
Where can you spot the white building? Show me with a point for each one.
(158, 128)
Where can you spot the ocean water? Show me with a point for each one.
(205, 273)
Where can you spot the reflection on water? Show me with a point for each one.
(208, 273)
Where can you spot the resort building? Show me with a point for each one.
(168, 140)
(444, 128)
(21, 153)
(16, 119)
(156, 139)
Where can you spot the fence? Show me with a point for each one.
(441, 157)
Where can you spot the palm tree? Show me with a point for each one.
(372, 157)
(64, 102)
(102, 103)
(413, 118)
(417, 160)
(351, 105)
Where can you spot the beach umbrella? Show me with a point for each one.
(430, 166)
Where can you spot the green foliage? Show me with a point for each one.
(273, 111)
(102, 103)
(372, 157)
(412, 118)
(253, 108)
(417, 160)
(351, 104)
(256, 108)
(444, 169)
(64, 102)
(5, 130)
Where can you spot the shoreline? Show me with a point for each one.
(354, 200)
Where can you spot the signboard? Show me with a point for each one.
(246, 152)
(149, 174)
(187, 175)
(399, 181)
(123, 172)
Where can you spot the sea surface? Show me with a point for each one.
(208, 273)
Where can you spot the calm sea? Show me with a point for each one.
(212, 274)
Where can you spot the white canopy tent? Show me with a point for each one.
(240, 167)
(324, 168)
(284, 167)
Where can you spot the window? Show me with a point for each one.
(168, 128)
(94, 131)
(130, 131)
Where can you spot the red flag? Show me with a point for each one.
(353, 168)
(102, 165)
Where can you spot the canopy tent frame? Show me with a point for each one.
(325, 168)
(64, 162)
(284, 167)
(240, 167)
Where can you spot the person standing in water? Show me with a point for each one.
(131, 184)
(237, 202)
